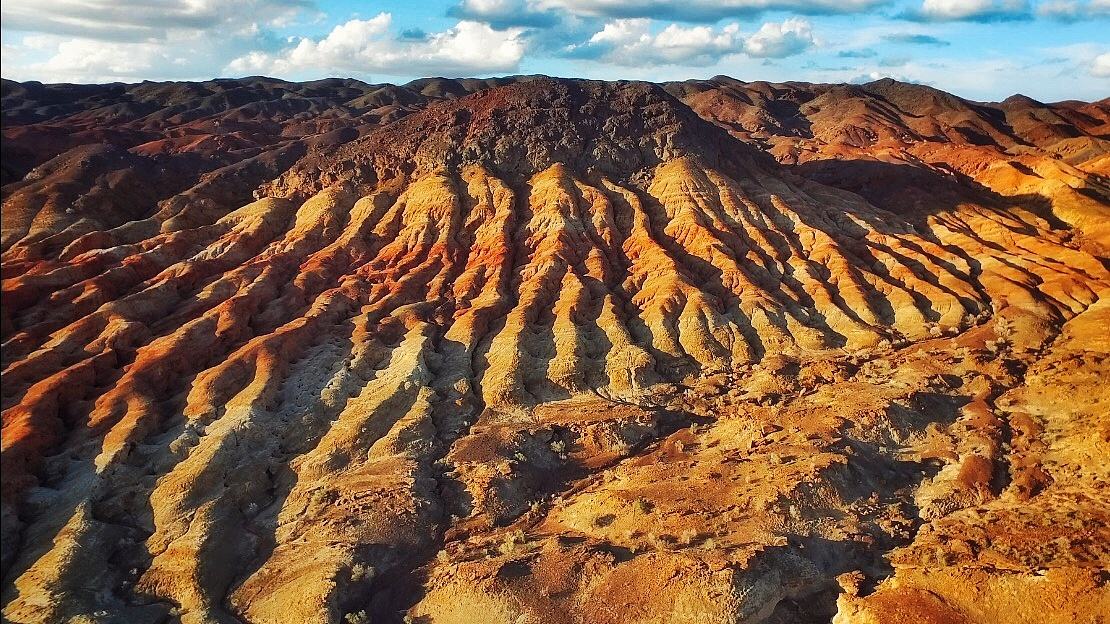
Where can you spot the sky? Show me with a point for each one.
(981, 49)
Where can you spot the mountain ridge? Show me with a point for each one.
(553, 350)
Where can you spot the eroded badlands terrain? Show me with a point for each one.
(528, 350)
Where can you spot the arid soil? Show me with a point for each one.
(529, 350)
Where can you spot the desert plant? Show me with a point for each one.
(357, 617)
(361, 572)
(511, 540)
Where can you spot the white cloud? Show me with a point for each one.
(774, 40)
(1100, 67)
(623, 31)
(1071, 10)
(948, 10)
(1081, 61)
(368, 46)
(141, 20)
(56, 58)
(85, 57)
(630, 42)
(130, 40)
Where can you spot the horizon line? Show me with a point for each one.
(540, 76)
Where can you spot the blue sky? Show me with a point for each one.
(981, 49)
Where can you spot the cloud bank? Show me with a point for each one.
(1013, 44)
(370, 46)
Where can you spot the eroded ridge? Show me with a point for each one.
(700, 390)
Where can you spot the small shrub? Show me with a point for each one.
(357, 617)
(361, 572)
(511, 540)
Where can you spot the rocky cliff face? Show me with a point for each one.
(533, 350)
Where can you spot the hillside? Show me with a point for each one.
(551, 350)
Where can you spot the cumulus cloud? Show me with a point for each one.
(368, 46)
(973, 10)
(631, 42)
(128, 40)
(84, 57)
(779, 40)
(56, 58)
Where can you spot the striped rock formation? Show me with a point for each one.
(554, 351)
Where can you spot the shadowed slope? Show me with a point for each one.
(1048, 158)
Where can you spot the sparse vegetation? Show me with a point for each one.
(511, 541)
(357, 617)
(362, 572)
